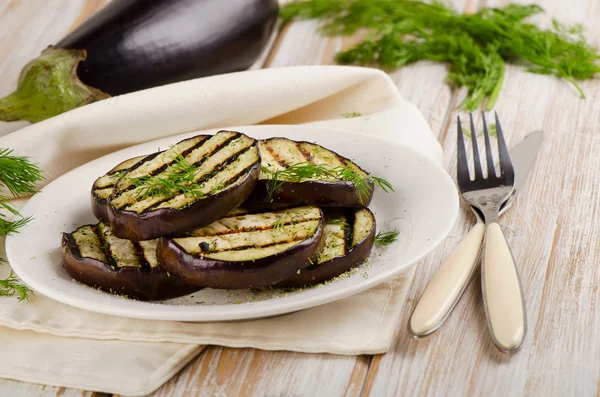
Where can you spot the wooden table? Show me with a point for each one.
(553, 229)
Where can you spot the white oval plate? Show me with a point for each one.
(423, 207)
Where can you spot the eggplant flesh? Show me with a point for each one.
(104, 185)
(349, 237)
(245, 250)
(280, 153)
(95, 257)
(137, 44)
(226, 167)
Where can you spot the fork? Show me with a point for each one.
(501, 285)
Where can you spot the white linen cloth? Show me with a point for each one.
(52, 343)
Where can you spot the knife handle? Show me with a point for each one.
(502, 292)
(447, 285)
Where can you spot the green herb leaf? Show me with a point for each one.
(383, 239)
(178, 179)
(11, 286)
(475, 46)
(301, 171)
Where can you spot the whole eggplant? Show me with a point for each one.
(132, 45)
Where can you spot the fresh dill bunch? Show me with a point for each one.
(18, 174)
(474, 46)
(305, 170)
(11, 286)
(383, 239)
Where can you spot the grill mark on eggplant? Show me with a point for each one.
(253, 233)
(221, 143)
(211, 175)
(104, 246)
(215, 149)
(144, 264)
(349, 230)
(257, 228)
(245, 247)
(307, 155)
(275, 156)
(167, 158)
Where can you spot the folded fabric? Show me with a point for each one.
(76, 348)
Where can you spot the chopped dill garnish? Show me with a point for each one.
(383, 239)
(351, 115)
(300, 171)
(178, 179)
(474, 46)
(278, 223)
(118, 175)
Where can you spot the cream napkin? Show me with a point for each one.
(365, 323)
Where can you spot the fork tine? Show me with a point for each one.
(462, 166)
(477, 161)
(488, 150)
(506, 167)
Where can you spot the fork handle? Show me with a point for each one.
(447, 285)
(502, 292)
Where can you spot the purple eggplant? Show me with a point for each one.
(132, 45)
(252, 250)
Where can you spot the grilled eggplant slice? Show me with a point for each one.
(279, 154)
(349, 236)
(95, 257)
(190, 185)
(103, 187)
(245, 250)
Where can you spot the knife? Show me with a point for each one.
(452, 277)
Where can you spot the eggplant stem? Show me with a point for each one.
(48, 86)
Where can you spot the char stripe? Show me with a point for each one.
(73, 244)
(208, 176)
(215, 149)
(253, 229)
(141, 254)
(105, 247)
(349, 230)
(275, 155)
(162, 168)
(240, 174)
(305, 154)
(250, 246)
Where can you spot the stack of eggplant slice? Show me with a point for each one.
(224, 211)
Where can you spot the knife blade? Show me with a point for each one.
(523, 157)
(449, 282)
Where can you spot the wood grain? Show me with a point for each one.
(553, 232)
(552, 229)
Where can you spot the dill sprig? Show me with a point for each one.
(178, 179)
(279, 223)
(305, 170)
(11, 286)
(475, 46)
(19, 176)
(383, 239)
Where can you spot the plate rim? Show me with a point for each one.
(246, 312)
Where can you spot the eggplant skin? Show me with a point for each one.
(319, 193)
(130, 281)
(259, 273)
(166, 221)
(137, 44)
(100, 204)
(281, 153)
(325, 271)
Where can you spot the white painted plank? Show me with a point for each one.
(553, 232)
